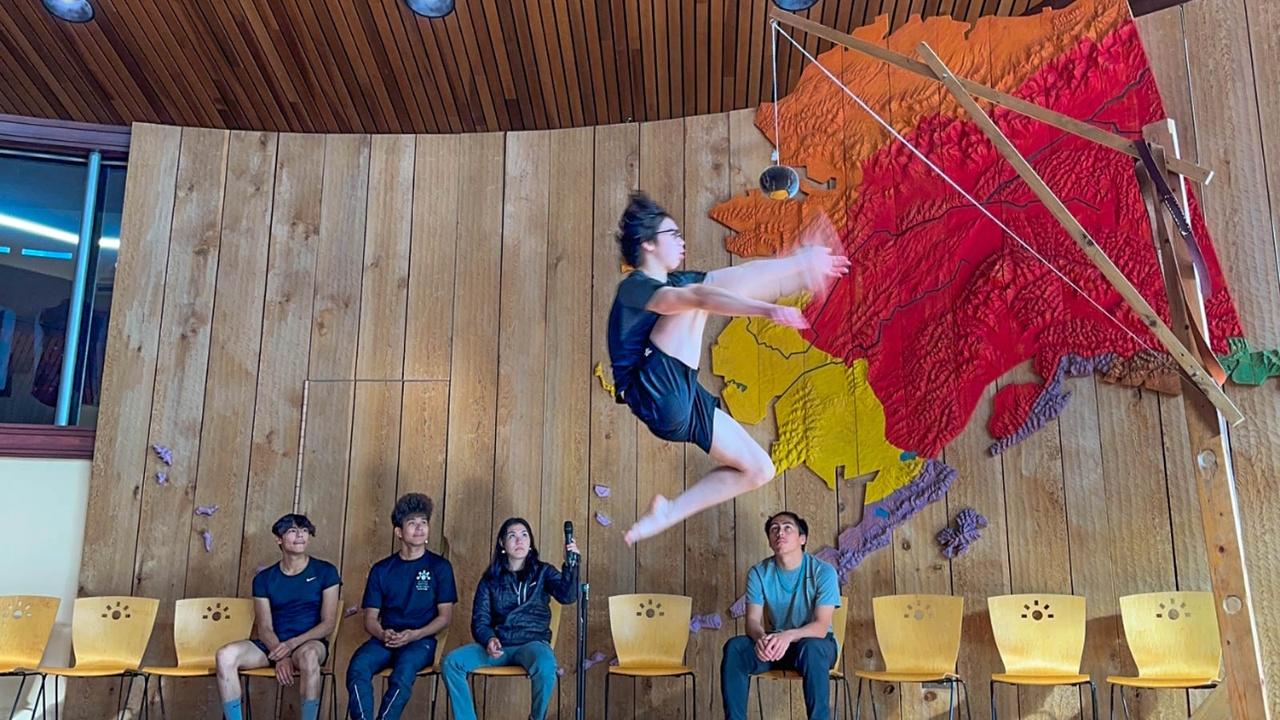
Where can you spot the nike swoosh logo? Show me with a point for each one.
(310, 579)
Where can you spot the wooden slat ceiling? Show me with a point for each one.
(373, 66)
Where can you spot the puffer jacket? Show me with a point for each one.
(519, 611)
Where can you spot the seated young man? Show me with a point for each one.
(408, 599)
(296, 607)
(799, 593)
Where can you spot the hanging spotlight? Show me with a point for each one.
(795, 5)
(76, 11)
(780, 182)
(430, 8)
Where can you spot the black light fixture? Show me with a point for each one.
(76, 11)
(795, 5)
(430, 8)
(780, 182)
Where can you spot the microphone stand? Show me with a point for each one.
(581, 676)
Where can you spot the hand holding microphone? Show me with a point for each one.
(571, 555)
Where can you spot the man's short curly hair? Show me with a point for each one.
(639, 224)
(409, 505)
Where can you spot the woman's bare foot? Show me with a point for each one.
(655, 521)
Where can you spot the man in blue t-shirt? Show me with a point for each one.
(408, 599)
(296, 608)
(799, 593)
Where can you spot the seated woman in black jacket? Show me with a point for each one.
(511, 619)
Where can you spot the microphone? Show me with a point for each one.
(571, 559)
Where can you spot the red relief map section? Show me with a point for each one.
(941, 301)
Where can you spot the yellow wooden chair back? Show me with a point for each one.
(25, 624)
(839, 626)
(202, 625)
(919, 633)
(1039, 634)
(556, 611)
(650, 630)
(112, 630)
(1172, 634)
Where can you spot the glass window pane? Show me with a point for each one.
(102, 275)
(40, 209)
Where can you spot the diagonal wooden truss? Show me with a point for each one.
(1243, 693)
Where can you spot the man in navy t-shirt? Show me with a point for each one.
(408, 599)
(296, 608)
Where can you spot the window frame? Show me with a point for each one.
(74, 140)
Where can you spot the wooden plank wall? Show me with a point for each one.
(423, 313)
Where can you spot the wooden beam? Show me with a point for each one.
(1245, 683)
(1145, 7)
(1214, 707)
(64, 136)
(1065, 123)
(1194, 370)
(1138, 7)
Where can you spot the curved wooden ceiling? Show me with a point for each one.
(373, 66)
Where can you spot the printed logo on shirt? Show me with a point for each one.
(423, 581)
(313, 577)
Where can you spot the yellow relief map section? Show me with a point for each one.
(827, 414)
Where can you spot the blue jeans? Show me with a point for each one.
(373, 657)
(537, 658)
(813, 658)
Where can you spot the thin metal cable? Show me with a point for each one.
(972, 201)
(777, 132)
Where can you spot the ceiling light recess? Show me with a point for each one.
(76, 11)
(430, 8)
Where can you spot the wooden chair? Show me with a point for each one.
(919, 637)
(839, 620)
(25, 624)
(1041, 641)
(1173, 637)
(516, 670)
(200, 627)
(650, 634)
(109, 634)
(326, 672)
(432, 670)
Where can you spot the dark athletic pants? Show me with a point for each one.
(813, 658)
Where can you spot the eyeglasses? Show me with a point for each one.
(676, 233)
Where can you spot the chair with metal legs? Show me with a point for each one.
(25, 624)
(1174, 640)
(919, 637)
(650, 633)
(109, 636)
(200, 627)
(839, 620)
(432, 671)
(327, 678)
(516, 670)
(1041, 642)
